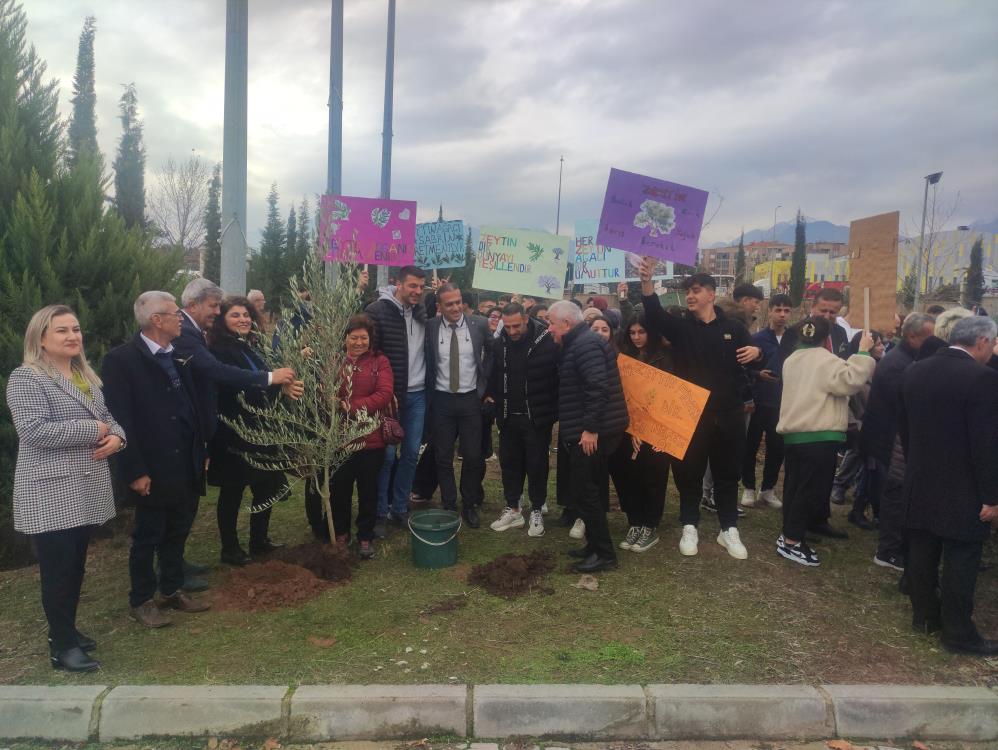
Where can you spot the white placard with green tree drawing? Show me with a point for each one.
(520, 261)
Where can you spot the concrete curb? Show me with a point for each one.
(581, 712)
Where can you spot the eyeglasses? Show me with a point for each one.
(178, 313)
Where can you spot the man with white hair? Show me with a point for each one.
(258, 300)
(592, 419)
(948, 423)
(150, 391)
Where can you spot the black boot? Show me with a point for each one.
(73, 659)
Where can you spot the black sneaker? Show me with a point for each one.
(707, 503)
(892, 561)
(381, 528)
(798, 553)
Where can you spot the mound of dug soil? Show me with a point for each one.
(326, 561)
(512, 575)
(267, 585)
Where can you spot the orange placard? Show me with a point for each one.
(664, 410)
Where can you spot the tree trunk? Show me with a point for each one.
(326, 506)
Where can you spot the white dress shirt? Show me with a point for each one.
(468, 373)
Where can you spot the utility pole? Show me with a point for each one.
(557, 218)
(772, 262)
(334, 146)
(930, 179)
(233, 271)
(386, 130)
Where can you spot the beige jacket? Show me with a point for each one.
(816, 390)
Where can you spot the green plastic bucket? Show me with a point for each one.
(434, 538)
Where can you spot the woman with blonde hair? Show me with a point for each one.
(62, 485)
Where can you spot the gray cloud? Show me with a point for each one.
(837, 107)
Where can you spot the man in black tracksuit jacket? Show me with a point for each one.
(592, 419)
(710, 351)
(524, 388)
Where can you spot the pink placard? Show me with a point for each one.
(367, 230)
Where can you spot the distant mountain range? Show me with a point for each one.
(824, 231)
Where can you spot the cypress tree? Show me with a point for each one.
(798, 262)
(57, 243)
(267, 267)
(83, 121)
(303, 237)
(130, 163)
(974, 284)
(291, 243)
(213, 228)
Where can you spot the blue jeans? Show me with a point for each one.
(412, 411)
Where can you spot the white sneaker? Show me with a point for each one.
(578, 529)
(544, 509)
(536, 524)
(768, 497)
(732, 542)
(748, 498)
(689, 543)
(510, 519)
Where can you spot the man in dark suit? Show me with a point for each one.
(201, 299)
(458, 359)
(948, 423)
(150, 391)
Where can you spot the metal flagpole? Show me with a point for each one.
(334, 148)
(557, 218)
(233, 270)
(386, 130)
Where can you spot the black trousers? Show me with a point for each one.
(641, 482)
(589, 484)
(869, 488)
(562, 474)
(265, 487)
(314, 511)
(808, 482)
(523, 454)
(954, 602)
(424, 482)
(487, 448)
(763, 422)
(458, 415)
(891, 541)
(720, 439)
(361, 468)
(62, 561)
(159, 531)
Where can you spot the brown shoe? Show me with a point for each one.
(183, 602)
(150, 615)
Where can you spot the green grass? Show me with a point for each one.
(659, 618)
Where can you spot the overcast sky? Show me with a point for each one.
(840, 108)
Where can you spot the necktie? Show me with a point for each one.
(455, 364)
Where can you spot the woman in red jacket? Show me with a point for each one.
(370, 388)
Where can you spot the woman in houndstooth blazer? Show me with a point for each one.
(62, 485)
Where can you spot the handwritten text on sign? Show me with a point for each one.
(367, 230)
(440, 244)
(520, 261)
(652, 217)
(664, 410)
(595, 264)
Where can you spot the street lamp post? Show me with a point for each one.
(772, 270)
(930, 179)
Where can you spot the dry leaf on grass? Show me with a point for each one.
(212, 743)
(319, 643)
(587, 582)
(840, 745)
(916, 745)
(271, 744)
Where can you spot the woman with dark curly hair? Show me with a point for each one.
(233, 340)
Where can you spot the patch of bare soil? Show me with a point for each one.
(328, 562)
(512, 575)
(266, 586)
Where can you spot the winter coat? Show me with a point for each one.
(542, 376)
(705, 353)
(590, 395)
(393, 331)
(948, 424)
(880, 422)
(371, 389)
(226, 444)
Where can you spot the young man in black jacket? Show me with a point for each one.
(710, 351)
(524, 388)
(592, 419)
